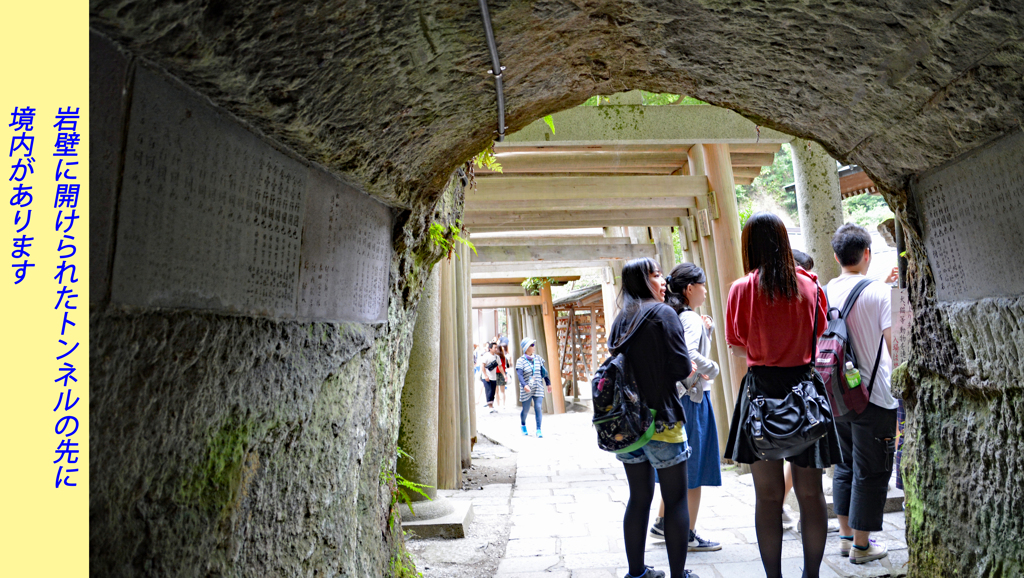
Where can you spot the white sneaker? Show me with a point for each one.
(874, 552)
(845, 544)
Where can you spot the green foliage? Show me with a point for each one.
(403, 487)
(689, 100)
(866, 210)
(533, 285)
(658, 98)
(485, 159)
(649, 99)
(403, 566)
(550, 121)
(769, 189)
(745, 213)
(439, 236)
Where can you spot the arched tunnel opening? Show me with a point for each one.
(265, 179)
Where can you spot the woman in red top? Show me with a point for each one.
(770, 319)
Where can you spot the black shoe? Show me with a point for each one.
(698, 544)
(658, 529)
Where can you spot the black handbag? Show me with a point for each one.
(782, 428)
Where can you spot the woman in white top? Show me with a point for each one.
(687, 291)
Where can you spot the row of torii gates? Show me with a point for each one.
(614, 182)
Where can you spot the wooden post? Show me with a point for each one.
(666, 249)
(551, 337)
(573, 337)
(721, 388)
(467, 360)
(594, 362)
(462, 313)
(515, 335)
(726, 235)
(449, 472)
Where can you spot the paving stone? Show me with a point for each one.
(531, 547)
(600, 560)
(596, 573)
(576, 479)
(737, 553)
(727, 522)
(521, 564)
(585, 545)
(526, 492)
(556, 573)
(585, 472)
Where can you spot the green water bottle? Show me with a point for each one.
(852, 375)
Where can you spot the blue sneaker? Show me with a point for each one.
(540, 435)
(524, 431)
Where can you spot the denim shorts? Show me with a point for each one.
(660, 454)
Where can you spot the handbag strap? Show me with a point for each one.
(814, 331)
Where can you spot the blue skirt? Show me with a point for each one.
(704, 468)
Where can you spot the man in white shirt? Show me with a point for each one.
(861, 482)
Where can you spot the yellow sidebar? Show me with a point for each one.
(44, 285)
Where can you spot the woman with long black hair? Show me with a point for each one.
(649, 334)
(770, 320)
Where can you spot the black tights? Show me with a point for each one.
(769, 489)
(638, 510)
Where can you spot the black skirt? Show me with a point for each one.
(777, 382)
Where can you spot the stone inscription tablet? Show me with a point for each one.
(346, 254)
(972, 213)
(210, 215)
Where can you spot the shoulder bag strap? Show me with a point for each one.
(814, 332)
(874, 371)
(852, 297)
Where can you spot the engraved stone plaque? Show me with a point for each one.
(972, 214)
(210, 215)
(346, 254)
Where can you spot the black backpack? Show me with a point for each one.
(622, 419)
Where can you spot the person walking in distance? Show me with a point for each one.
(648, 333)
(533, 381)
(861, 480)
(771, 316)
(489, 366)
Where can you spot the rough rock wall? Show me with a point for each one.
(963, 460)
(238, 445)
(396, 94)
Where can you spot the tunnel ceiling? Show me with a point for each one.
(393, 95)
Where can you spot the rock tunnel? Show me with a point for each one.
(247, 364)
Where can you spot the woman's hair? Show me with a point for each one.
(636, 282)
(636, 288)
(766, 250)
(682, 276)
(803, 259)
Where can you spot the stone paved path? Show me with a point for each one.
(569, 497)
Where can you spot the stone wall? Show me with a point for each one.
(248, 342)
(963, 460)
